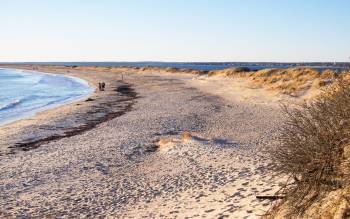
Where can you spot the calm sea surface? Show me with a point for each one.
(206, 65)
(23, 93)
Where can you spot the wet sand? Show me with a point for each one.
(108, 162)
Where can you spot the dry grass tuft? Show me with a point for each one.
(164, 142)
(186, 136)
(313, 148)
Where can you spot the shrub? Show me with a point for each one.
(311, 147)
(242, 69)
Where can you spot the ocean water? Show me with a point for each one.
(205, 65)
(23, 93)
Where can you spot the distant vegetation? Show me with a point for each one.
(294, 82)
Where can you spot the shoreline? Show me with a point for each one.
(125, 90)
(56, 121)
(33, 113)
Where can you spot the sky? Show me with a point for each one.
(175, 30)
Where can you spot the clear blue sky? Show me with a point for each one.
(174, 30)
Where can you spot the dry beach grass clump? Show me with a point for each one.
(314, 151)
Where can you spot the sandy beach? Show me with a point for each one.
(122, 153)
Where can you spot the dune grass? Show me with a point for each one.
(294, 82)
(313, 149)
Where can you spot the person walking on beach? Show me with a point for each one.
(101, 86)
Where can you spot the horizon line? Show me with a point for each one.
(300, 62)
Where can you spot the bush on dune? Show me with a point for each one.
(312, 148)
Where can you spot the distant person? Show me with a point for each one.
(101, 86)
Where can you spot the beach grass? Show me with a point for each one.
(312, 151)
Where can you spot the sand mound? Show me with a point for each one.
(229, 72)
(294, 82)
(172, 70)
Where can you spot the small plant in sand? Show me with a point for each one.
(186, 136)
(311, 148)
(163, 142)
